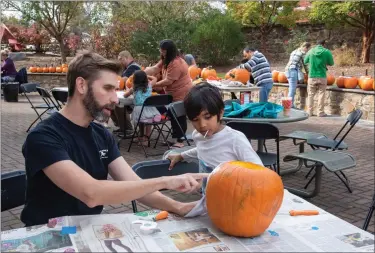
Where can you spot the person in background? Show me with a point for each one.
(121, 115)
(189, 58)
(293, 69)
(258, 66)
(142, 89)
(175, 81)
(318, 59)
(8, 69)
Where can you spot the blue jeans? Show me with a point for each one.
(292, 80)
(265, 91)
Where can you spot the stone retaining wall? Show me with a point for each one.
(48, 80)
(338, 101)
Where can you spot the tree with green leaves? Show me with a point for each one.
(54, 16)
(358, 14)
(263, 15)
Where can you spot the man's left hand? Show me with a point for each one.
(185, 208)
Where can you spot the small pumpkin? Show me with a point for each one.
(52, 69)
(194, 72)
(64, 69)
(340, 81)
(121, 83)
(33, 69)
(46, 69)
(129, 82)
(367, 83)
(58, 69)
(240, 75)
(243, 198)
(350, 82)
(209, 71)
(281, 77)
(330, 79)
(64, 65)
(360, 80)
(39, 69)
(275, 75)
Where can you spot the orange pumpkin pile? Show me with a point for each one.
(194, 72)
(240, 75)
(209, 71)
(243, 198)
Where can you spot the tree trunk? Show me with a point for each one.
(62, 50)
(38, 48)
(367, 40)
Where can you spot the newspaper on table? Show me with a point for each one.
(117, 233)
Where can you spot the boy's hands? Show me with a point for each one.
(174, 159)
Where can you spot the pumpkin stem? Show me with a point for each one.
(232, 75)
(366, 72)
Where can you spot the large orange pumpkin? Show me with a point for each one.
(350, 82)
(340, 81)
(367, 83)
(121, 82)
(281, 77)
(360, 80)
(243, 198)
(209, 71)
(330, 79)
(240, 75)
(275, 75)
(129, 82)
(194, 72)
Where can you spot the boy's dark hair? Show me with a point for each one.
(87, 65)
(203, 96)
(321, 42)
(140, 81)
(249, 49)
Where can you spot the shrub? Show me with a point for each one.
(297, 38)
(345, 56)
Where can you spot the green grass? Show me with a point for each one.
(221, 75)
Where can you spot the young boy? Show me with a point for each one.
(215, 143)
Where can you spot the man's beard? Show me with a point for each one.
(93, 107)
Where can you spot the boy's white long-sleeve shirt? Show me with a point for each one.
(226, 145)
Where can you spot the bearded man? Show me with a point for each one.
(68, 156)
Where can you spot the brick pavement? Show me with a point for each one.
(334, 197)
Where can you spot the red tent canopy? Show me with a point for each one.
(6, 35)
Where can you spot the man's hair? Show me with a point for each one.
(249, 49)
(5, 52)
(201, 97)
(87, 65)
(306, 44)
(321, 42)
(125, 54)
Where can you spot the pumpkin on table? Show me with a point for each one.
(275, 75)
(32, 69)
(121, 83)
(129, 82)
(58, 69)
(281, 77)
(39, 69)
(52, 69)
(340, 82)
(46, 69)
(194, 72)
(366, 83)
(209, 71)
(243, 198)
(240, 75)
(350, 82)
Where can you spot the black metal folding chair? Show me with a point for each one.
(13, 189)
(178, 110)
(369, 214)
(160, 168)
(152, 101)
(261, 131)
(60, 97)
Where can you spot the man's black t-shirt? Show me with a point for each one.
(132, 67)
(56, 139)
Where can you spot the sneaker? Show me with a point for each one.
(322, 115)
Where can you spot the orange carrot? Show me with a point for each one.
(303, 212)
(161, 216)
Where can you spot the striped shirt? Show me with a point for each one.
(259, 68)
(295, 60)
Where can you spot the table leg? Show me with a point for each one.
(233, 95)
(260, 145)
(310, 194)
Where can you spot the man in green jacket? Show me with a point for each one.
(318, 58)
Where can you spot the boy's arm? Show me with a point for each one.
(245, 151)
(329, 58)
(190, 154)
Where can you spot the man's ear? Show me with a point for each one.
(221, 114)
(81, 85)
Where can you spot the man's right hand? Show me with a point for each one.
(186, 183)
(174, 159)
